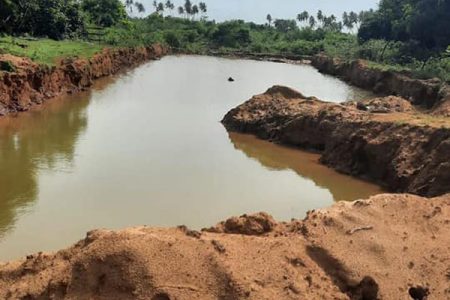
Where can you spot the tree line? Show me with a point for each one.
(418, 28)
(422, 24)
(188, 10)
(60, 19)
(411, 33)
(349, 20)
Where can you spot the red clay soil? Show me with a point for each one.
(428, 93)
(383, 140)
(32, 84)
(387, 247)
(442, 108)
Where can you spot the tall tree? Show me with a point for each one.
(195, 10)
(181, 10)
(104, 12)
(285, 25)
(303, 17)
(188, 7)
(169, 5)
(353, 18)
(346, 21)
(423, 26)
(140, 7)
(312, 22)
(320, 16)
(269, 19)
(203, 9)
(160, 8)
(130, 4)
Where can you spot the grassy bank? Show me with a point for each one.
(232, 37)
(47, 51)
(201, 37)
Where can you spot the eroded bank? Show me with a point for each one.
(32, 84)
(382, 139)
(431, 93)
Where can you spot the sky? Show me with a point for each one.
(257, 10)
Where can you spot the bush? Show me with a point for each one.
(232, 34)
(172, 39)
(104, 12)
(303, 47)
(57, 19)
(7, 66)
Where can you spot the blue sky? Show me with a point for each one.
(257, 10)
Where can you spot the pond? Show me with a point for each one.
(147, 148)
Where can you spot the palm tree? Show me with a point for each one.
(169, 5)
(181, 10)
(320, 16)
(160, 8)
(269, 19)
(312, 22)
(346, 21)
(130, 3)
(353, 18)
(303, 17)
(195, 11)
(140, 7)
(203, 9)
(188, 7)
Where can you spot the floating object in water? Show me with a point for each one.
(230, 79)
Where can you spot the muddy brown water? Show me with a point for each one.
(147, 148)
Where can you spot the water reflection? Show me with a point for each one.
(149, 149)
(305, 164)
(41, 139)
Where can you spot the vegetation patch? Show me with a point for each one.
(48, 51)
(7, 66)
(401, 35)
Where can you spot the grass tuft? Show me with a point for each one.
(46, 51)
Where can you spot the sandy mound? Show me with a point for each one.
(383, 139)
(387, 247)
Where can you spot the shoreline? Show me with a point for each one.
(34, 84)
(383, 139)
(401, 240)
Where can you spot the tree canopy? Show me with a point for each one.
(425, 22)
(53, 18)
(104, 12)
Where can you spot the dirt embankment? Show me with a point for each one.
(383, 139)
(428, 93)
(387, 247)
(32, 84)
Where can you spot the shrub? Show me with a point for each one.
(7, 66)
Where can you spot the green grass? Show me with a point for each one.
(46, 51)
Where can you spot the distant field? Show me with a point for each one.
(47, 51)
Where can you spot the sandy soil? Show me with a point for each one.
(384, 139)
(386, 247)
